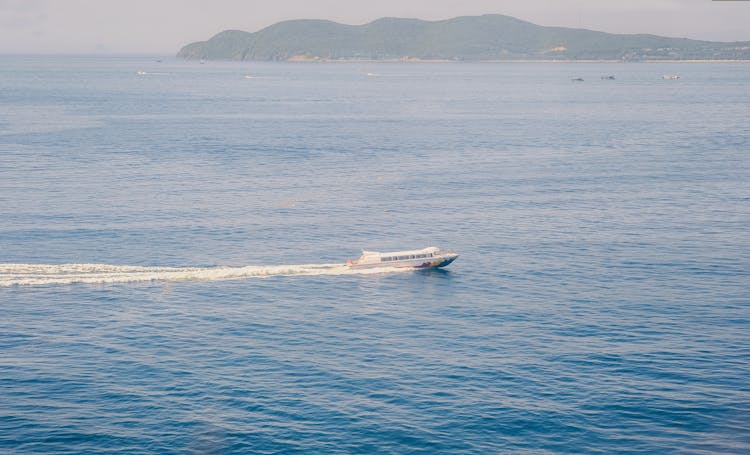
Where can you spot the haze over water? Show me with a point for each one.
(172, 240)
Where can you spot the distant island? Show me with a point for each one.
(469, 38)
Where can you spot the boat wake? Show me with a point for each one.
(49, 274)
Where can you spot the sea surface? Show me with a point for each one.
(173, 234)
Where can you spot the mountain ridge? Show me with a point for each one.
(464, 38)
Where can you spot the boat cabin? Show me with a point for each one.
(373, 256)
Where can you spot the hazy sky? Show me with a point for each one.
(163, 26)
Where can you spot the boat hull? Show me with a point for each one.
(433, 262)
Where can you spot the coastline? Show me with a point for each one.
(306, 59)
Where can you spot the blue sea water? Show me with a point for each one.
(601, 302)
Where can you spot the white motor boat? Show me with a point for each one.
(425, 258)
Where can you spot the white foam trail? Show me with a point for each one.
(50, 274)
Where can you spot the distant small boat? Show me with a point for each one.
(424, 258)
(577, 79)
(141, 73)
(608, 78)
(670, 77)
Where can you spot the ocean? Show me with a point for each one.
(173, 234)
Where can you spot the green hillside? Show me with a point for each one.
(471, 38)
